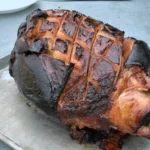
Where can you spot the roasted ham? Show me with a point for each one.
(86, 74)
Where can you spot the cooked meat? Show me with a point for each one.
(86, 74)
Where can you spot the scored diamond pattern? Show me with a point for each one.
(94, 48)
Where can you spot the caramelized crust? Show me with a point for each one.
(86, 73)
(93, 47)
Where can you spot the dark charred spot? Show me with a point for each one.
(106, 84)
(102, 72)
(85, 36)
(73, 17)
(143, 81)
(121, 140)
(114, 53)
(140, 55)
(145, 120)
(32, 19)
(46, 107)
(77, 134)
(31, 23)
(22, 29)
(97, 103)
(104, 123)
(101, 44)
(38, 45)
(61, 45)
(47, 25)
(68, 29)
(37, 13)
(41, 79)
(87, 135)
(114, 31)
(73, 103)
(110, 29)
(21, 45)
(113, 141)
(78, 52)
(75, 76)
(58, 74)
(93, 136)
(31, 78)
(77, 73)
(101, 69)
(91, 23)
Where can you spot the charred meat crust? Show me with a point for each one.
(145, 120)
(68, 29)
(35, 81)
(110, 140)
(21, 29)
(61, 45)
(114, 31)
(32, 19)
(140, 55)
(67, 64)
(47, 26)
(37, 46)
(39, 77)
(42, 78)
(58, 74)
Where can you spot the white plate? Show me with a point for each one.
(9, 6)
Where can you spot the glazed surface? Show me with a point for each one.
(85, 73)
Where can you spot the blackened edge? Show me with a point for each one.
(140, 55)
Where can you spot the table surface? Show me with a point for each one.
(129, 16)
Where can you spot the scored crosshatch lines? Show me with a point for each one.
(93, 47)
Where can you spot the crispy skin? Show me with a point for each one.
(85, 73)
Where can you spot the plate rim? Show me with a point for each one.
(5, 11)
